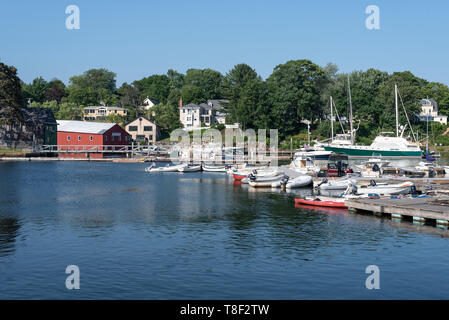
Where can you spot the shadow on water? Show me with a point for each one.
(9, 231)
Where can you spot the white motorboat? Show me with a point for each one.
(265, 181)
(167, 168)
(190, 168)
(304, 164)
(297, 182)
(336, 184)
(386, 189)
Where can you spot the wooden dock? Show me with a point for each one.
(429, 210)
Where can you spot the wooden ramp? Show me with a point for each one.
(434, 209)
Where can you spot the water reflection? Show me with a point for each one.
(9, 231)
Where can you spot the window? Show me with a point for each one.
(151, 137)
(105, 138)
(147, 128)
(68, 138)
(132, 128)
(79, 138)
(91, 138)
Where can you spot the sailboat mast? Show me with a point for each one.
(332, 121)
(350, 111)
(397, 112)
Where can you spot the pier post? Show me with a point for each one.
(419, 220)
(443, 224)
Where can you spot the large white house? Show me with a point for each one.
(429, 112)
(210, 113)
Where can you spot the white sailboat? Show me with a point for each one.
(396, 147)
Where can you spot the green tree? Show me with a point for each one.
(167, 117)
(235, 89)
(201, 85)
(10, 94)
(96, 79)
(155, 87)
(36, 90)
(83, 96)
(410, 88)
(69, 111)
(130, 97)
(56, 90)
(295, 94)
(176, 79)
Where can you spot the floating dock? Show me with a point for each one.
(428, 210)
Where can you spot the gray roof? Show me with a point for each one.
(190, 106)
(84, 126)
(217, 104)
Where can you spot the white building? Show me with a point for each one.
(429, 112)
(210, 113)
(148, 103)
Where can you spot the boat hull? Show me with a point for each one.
(361, 153)
(316, 203)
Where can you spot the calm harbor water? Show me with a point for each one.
(136, 235)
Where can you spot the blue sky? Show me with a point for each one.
(139, 38)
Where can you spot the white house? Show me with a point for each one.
(148, 103)
(429, 112)
(210, 113)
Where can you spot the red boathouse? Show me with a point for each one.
(94, 136)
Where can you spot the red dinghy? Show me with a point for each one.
(321, 203)
(239, 177)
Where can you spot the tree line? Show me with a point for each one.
(296, 90)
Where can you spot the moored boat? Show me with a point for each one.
(214, 168)
(323, 202)
(190, 168)
(167, 168)
(297, 182)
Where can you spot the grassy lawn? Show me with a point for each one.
(6, 151)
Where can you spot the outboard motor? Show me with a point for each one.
(376, 168)
(322, 182)
(252, 177)
(372, 183)
(284, 181)
(413, 191)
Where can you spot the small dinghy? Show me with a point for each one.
(265, 181)
(297, 182)
(214, 168)
(167, 168)
(386, 189)
(190, 168)
(323, 202)
(336, 184)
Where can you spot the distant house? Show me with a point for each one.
(74, 135)
(210, 113)
(142, 129)
(149, 103)
(38, 128)
(429, 112)
(101, 112)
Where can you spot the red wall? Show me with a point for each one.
(104, 139)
